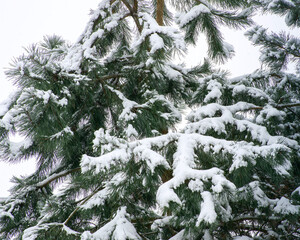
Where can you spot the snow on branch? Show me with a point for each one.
(193, 13)
(119, 228)
(184, 157)
(32, 233)
(184, 161)
(208, 213)
(203, 119)
(183, 169)
(152, 29)
(128, 105)
(155, 97)
(105, 161)
(84, 48)
(140, 149)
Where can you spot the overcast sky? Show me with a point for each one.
(23, 22)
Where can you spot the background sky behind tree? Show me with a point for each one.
(26, 22)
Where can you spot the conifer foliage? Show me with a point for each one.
(99, 116)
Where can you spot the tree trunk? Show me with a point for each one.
(160, 12)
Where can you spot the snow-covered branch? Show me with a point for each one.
(56, 176)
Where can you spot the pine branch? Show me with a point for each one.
(288, 105)
(205, 3)
(104, 78)
(295, 53)
(296, 114)
(253, 228)
(133, 15)
(251, 218)
(77, 208)
(55, 177)
(57, 117)
(29, 117)
(278, 107)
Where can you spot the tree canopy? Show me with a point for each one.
(100, 117)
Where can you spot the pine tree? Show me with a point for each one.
(99, 116)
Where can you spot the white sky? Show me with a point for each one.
(23, 22)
